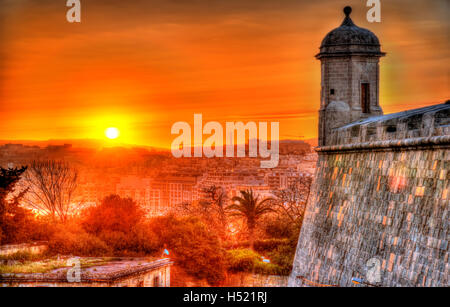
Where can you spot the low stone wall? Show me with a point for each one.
(32, 248)
(159, 277)
(423, 123)
(132, 272)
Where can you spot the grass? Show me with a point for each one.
(22, 256)
(47, 265)
(42, 266)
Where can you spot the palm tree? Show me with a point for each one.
(251, 208)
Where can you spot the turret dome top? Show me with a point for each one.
(350, 39)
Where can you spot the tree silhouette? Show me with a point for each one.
(12, 216)
(292, 201)
(51, 185)
(251, 208)
(217, 198)
(211, 208)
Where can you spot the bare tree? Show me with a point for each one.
(211, 208)
(218, 197)
(51, 185)
(292, 201)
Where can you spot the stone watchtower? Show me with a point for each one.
(378, 209)
(349, 58)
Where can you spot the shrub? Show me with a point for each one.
(143, 240)
(115, 240)
(192, 246)
(139, 240)
(236, 245)
(43, 229)
(280, 228)
(269, 245)
(73, 240)
(21, 257)
(118, 223)
(246, 260)
(242, 260)
(284, 255)
(113, 214)
(261, 246)
(268, 269)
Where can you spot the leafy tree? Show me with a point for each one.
(251, 208)
(210, 208)
(15, 221)
(113, 214)
(8, 179)
(217, 196)
(119, 223)
(196, 249)
(71, 239)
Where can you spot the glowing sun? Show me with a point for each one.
(112, 133)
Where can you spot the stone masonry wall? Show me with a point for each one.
(387, 205)
(32, 248)
(146, 279)
(432, 121)
(341, 86)
(123, 273)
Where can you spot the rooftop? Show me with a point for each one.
(349, 39)
(92, 270)
(442, 109)
(428, 125)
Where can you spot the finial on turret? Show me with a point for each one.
(347, 20)
(347, 11)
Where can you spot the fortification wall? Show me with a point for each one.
(413, 124)
(383, 201)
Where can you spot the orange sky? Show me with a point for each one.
(143, 65)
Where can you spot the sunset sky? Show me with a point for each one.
(141, 65)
